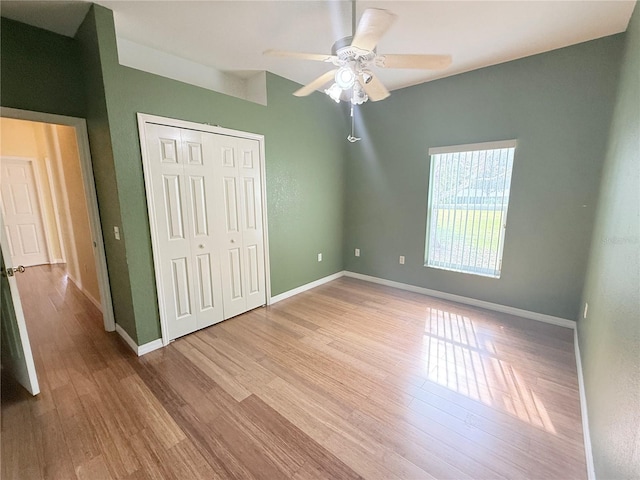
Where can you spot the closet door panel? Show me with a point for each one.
(198, 152)
(207, 212)
(173, 227)
(252, 228)
(229, 214)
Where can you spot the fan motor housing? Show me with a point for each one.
(345, 52)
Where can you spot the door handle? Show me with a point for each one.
(10, 272)
(201, 246)
(233, 241)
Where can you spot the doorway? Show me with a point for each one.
(50, 214)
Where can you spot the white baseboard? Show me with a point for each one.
(125, 336)
(150, 347)
(57, 261)
(142, 349)
(75, 282)
(90, 297)
(540, 317)
(591, 471)
(305, 287)
(93, 300)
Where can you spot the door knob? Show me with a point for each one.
(201, 246)
(10, 272)
(233, 241)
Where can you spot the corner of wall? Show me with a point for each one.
(89, 38)
(608, 339)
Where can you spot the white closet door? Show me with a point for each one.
(205, 200)
(241, 242)
(198, 150)
(183, 218)
(252, 229)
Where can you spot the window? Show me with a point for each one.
(467, 212)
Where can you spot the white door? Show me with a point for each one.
(22, 215)
(241, 242)
(205, 205)
(181, 162)
(16, 349)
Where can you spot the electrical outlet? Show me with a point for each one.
(586, 309)
(357, 252)
(401, 259)
(116, 232)
(319, 257)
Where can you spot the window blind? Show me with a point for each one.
(468, 199)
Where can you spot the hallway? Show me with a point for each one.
(50, 434)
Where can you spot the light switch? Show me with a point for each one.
(357, 252)
(401, 259)
(319, 257)
(116, 232)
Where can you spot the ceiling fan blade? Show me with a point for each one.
(373, 25)
(312, 86)
(374, 89)
(424, 62)
(318, 57)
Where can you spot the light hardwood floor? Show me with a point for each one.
(348, 380)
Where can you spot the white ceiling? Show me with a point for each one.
(231, 35)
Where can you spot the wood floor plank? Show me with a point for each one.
(192, 463)
(114, 443)
(152, 457)
(80, 437)
(213, 371)
(20, 458)
(293, 442)
(54, 458)
(349, 380)
(94, 469)
(216, 452)
(151, 412)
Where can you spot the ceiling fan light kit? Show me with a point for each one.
(355, 56)
(334, 91)
(345, 77)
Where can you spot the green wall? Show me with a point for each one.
(610, 335)
(557, 105)
(304, 141)
(100, 141)
(39, 70)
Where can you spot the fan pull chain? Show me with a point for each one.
(352, 138)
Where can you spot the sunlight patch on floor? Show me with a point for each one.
(459, 358)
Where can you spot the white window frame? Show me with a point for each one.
(496, 145)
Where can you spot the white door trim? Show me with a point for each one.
(82, 136)
(44, 218)
(56, 213)
(143, 119)
(55, 145)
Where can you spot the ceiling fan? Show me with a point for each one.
(354, 56)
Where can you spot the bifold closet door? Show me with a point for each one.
(241, 243)
(181, 167)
